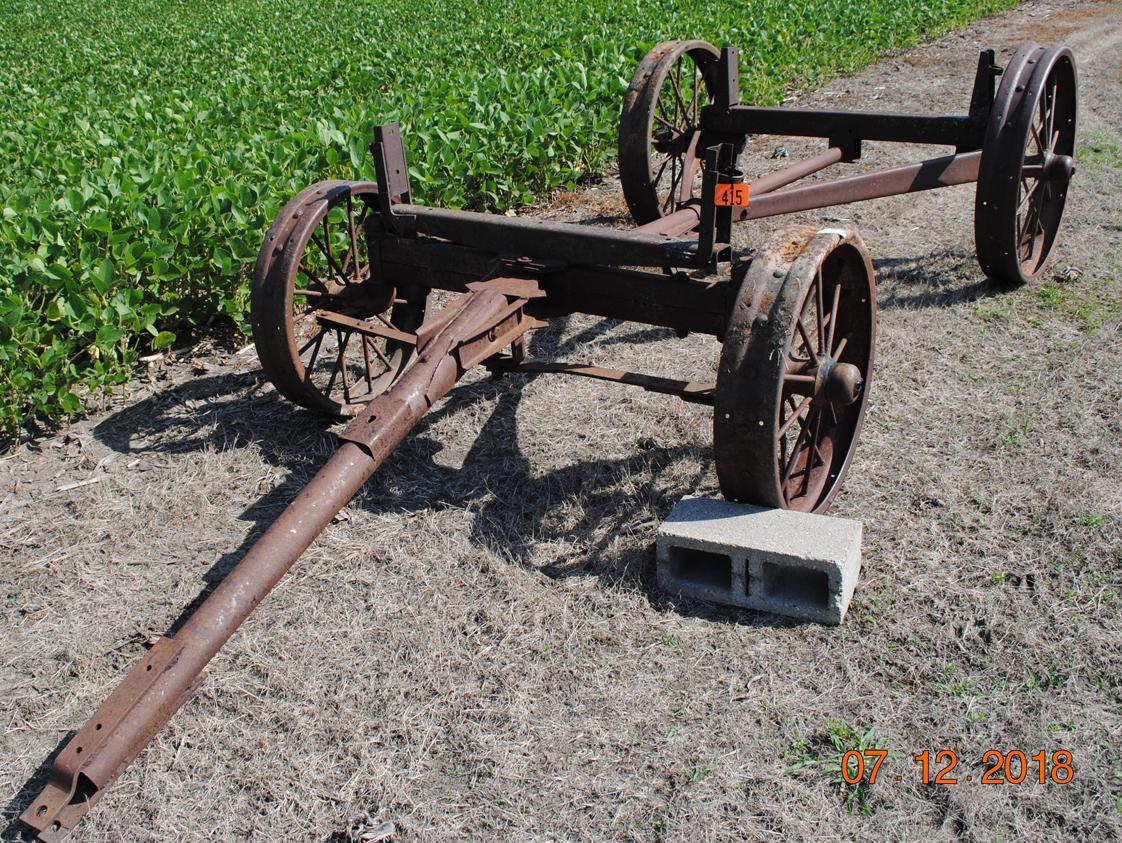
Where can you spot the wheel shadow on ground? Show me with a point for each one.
(941, 278)
(513, 505)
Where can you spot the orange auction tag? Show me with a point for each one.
(734, 195)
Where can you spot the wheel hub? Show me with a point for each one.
(838, 383)
(1058, 168)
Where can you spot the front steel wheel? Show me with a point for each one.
(1028, 159)
(659, 129)
(793, 381)
(329, 333)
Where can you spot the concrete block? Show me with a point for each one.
(773, 560)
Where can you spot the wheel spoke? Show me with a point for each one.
(1036, 138)
(366, 363)
(327, 254)
(668, 203)
(314, 339)
(1028, 233)
(667, 117)
(810, 349)
(338, 364)
(791, 419)
(315, 354)
(381, 356)
(676, 81)
(696, 87)
(312, 277)
(819, 306)
(385, 321)
(817, 450)
(1028, 194)
(837, 353)
(354, 254)
(812, 451)
(327, 243)
(833, 315)
(793, 458)
(800, 378)
(1049, 101)
(343, 367)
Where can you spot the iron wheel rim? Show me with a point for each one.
(659, 127)
(315, 364)
(780, 439)
(1027, 164)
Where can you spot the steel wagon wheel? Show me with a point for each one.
(1027, 164)
(312, 286)
(658, 127)
(792, 384)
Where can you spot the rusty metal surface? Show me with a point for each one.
(284, 303)
(366, 327)
(659, 127)
(1027, 164)
(792, 384)
(690, 391)
(482, 314)
(671, 301)
(910, 178)
(798, 170)
(164, 679)
(566, 242)
(159, 684)
(850, 127)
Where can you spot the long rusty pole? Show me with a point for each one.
(768, 201)
(169, 672)
(925, 175)
(798, 170)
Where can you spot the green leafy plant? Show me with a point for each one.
(145, 146)
(827, 753)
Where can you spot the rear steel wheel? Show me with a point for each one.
(1028, 159)
(314, 294)
(792, 385)
(658, 128)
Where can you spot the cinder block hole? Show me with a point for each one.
(700, 568)
(801, 586)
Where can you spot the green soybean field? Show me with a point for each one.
(145, 146)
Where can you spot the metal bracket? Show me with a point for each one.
(392, 171)
(714, 226)
(849, 144)
(981, 101)
(363, 327)
(510, 324)
(727, 88)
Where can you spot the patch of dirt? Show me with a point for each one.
(477, 649)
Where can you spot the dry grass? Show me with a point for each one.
(477, 649)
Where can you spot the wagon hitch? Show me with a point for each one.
(472, 329)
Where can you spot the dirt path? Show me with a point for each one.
(477, 649)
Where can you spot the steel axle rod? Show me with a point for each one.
(798, 170)
(926, 175)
